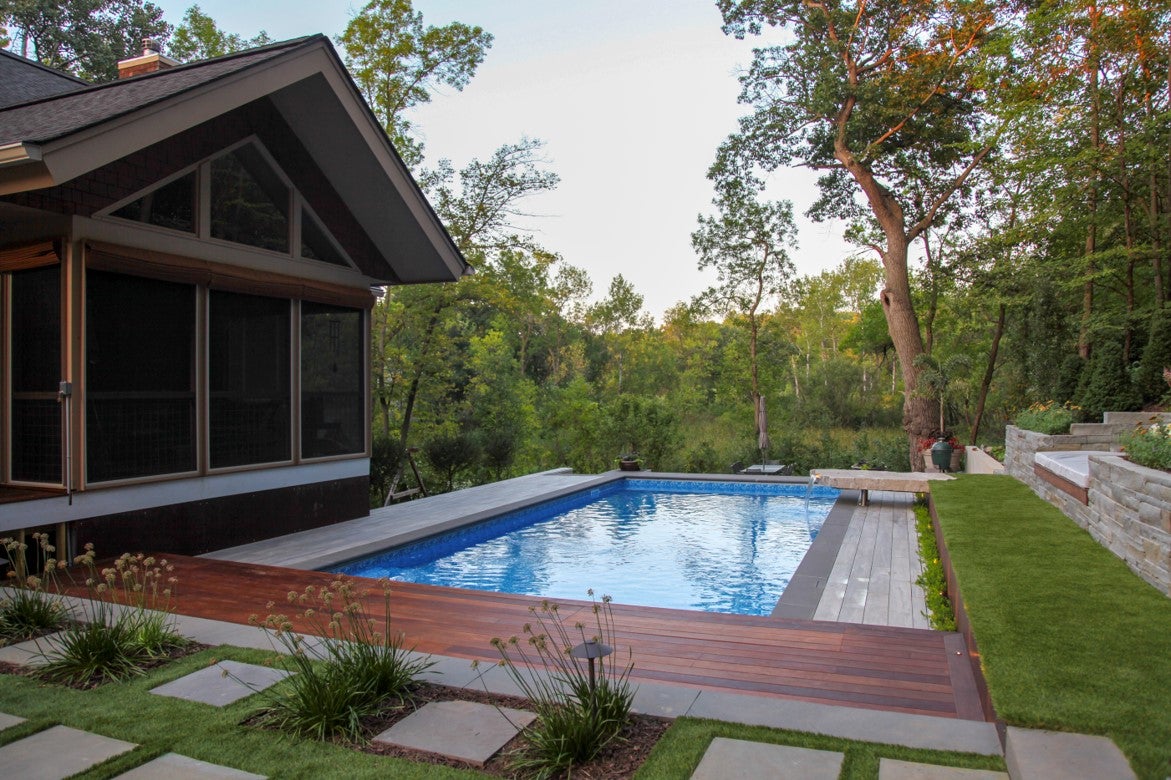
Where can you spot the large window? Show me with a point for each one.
(36, 370)
(140, 358)
(249, 202)
(332, 376)
(248, 378)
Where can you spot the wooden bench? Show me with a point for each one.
(865, 480)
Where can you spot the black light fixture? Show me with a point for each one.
(591, 649)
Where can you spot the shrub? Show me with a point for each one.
(126, 622)
(1156, 357)
(578, 712)
(1149, 445)
(1048, 418)
(1107, 384)
(350, 674)
(29, 610)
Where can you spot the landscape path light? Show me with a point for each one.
(591, 649)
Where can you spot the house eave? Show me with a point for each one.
(365, 170)
(19, 153)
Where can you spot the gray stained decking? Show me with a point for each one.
(873, 578)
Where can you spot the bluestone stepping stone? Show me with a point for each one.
(891, 769)
(31, 653)
(212, 686)
(737, 759)
(1032, 754)
(172, 766)
(58, 752)
(463, 730)
(8, 721)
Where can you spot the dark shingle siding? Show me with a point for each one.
(54, 117)
(22, 81)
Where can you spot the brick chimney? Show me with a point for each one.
(152, 59)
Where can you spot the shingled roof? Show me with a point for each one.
(49, 116)
(22, 80)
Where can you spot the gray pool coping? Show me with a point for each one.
(803, 593)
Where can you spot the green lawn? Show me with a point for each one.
(1070, 638)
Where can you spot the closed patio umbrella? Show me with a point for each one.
(761, 427)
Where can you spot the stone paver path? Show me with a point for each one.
(222, 683)
(873, 578)
(458, 729)
(1033, 754)
(8, 721)
(58, 752)
(736, 759)
(172, 766)
(891, 769)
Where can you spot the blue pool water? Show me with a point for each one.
(710, 546)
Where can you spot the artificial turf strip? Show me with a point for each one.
(679, 751)
(1070, 639)
(160, 724)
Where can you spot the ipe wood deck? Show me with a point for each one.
(896, 669)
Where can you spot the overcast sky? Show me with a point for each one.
(631, 98)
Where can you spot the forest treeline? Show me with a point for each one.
(1004, 169)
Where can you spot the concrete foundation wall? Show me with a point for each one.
(1128, 509)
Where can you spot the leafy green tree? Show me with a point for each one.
(1107, 386)
(199, 38)
(883, 97)
(451, 455)
(747, 245)
(84, 37)
(1156, 358)
(397, 62)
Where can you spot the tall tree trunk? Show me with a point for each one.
(932, 295)
(413, 390)
(919, 411)
(989, 370)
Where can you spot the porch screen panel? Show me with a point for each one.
(332, 381)
(249, 379)
(36, 370)
(140, 376)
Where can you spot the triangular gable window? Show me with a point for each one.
(316, 243)
(246, 199)
(249, 201)
(169, 206)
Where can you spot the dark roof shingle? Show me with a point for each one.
(57, 116)
(22, 80)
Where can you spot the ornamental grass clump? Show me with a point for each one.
(1149, 445)
(352, 667)
(27, 607)
(1049, 418)
(125, 623)
(581, 706)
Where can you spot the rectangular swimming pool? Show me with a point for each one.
(684, 544)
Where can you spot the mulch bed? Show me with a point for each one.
(620, 759)
(175, 653)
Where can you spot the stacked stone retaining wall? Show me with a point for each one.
(1128, 509)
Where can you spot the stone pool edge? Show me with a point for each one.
(803, 593)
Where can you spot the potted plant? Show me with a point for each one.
(631, 461)
(938, 380)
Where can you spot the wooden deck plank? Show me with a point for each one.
(896, 669)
